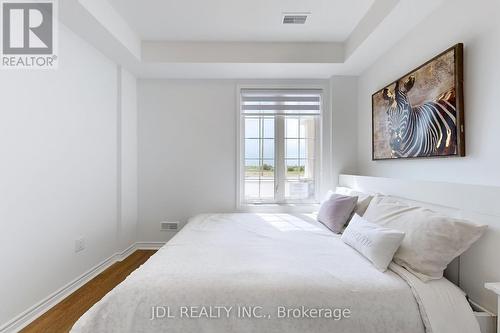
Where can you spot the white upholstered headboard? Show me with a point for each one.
(480, 204)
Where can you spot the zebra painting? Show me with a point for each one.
(425, 130)
(421, 114)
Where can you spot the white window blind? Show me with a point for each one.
(279, 145)
(279, 101)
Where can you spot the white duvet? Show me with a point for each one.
(272, 273)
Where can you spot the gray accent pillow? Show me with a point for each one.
(336, 211)
(363, 198)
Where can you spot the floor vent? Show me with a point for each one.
(169, 226)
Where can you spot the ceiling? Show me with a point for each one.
(243, 38)
(241, 20)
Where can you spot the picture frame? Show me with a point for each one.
(421, 114)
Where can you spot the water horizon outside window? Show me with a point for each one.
(279, 149)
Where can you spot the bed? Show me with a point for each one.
(272, 273)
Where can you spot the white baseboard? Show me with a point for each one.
(25, 318)
(149, 245)
(120, 256)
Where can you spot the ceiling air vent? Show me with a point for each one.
(295, 18)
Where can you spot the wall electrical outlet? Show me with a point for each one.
(79, 245)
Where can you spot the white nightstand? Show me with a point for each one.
(495, 287)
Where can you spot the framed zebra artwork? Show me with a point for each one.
(422, 113)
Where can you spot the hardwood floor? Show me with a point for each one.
(62, 316)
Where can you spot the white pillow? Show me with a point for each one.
(374, 242)
(432, 240)
(363, 198)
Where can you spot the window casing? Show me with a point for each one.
(280, 131)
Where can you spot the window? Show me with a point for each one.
(279, 148)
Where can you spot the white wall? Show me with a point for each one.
(344, 101)
(127, 200)
(59, 171)
(187, 149)
(476, 24)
